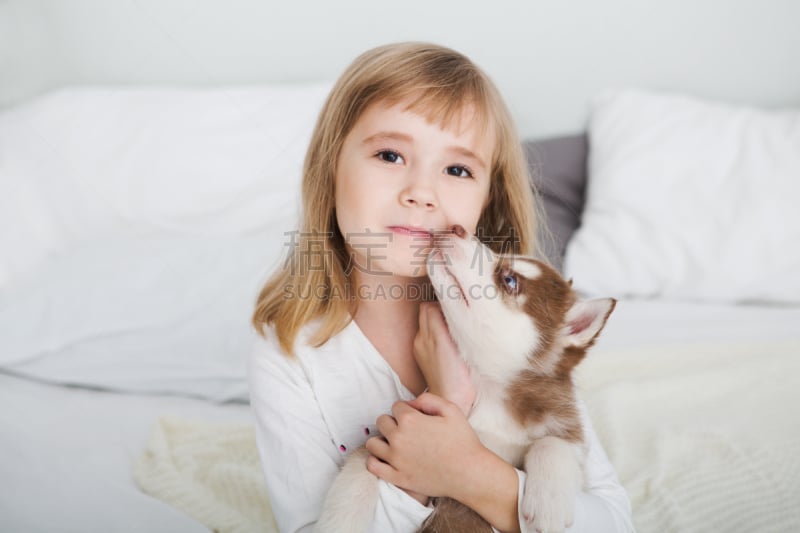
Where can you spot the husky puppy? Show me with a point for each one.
(521, 329)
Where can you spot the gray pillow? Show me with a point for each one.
(558, 170)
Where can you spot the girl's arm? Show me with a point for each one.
(489, 486)
(299, 458)
(430, 448)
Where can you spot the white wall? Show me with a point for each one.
(547, 57)
(25, 48)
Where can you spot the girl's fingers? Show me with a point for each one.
(432, 404)
(386, 425)
(424, 314)
(436, 324)
(379, 447)
(402, 410)
(380, 469)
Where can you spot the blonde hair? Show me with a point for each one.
(440, 82)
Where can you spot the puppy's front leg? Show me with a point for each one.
(350, 504)
(554, 477)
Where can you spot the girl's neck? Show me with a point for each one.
(385, 309)
(388, 315)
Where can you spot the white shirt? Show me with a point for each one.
(312, 410)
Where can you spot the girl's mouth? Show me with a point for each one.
(419, 233)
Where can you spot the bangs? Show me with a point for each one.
(447, 107)
(434, 82)
(448, 103)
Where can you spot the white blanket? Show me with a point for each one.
(209, 470)
(704, 438)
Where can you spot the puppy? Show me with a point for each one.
(521, 329)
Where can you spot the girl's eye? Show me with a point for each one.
(461, 172)
(389, 156)
(510, 282)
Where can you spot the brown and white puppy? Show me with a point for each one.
(521, 329)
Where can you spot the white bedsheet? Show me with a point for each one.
(655, 322)
(66, 453)
(66, 456)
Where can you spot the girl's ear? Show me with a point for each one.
(586, 319)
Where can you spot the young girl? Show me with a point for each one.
(412, 140)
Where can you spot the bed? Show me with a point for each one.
(137, 224)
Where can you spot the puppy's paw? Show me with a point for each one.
(554, 477)
(349, 506)
(548, 506)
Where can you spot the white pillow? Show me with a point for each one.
(159, 314)
(689, 200)
(80, 163)
(137, 227)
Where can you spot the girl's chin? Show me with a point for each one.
(399, 261)
(415, 269)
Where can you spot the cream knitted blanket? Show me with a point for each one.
(209, 470)
(705, 438)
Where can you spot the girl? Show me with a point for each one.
(412, 140)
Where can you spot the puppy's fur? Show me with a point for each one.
(521, 329)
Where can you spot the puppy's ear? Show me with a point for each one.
(569, 282)
(586, 319)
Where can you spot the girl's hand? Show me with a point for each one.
(424, 447)
(446, 373)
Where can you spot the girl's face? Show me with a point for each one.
(399, 179)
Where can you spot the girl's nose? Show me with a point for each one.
(419, 193)
(411, 199)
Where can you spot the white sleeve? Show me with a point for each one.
(298, 454)
(604, 506)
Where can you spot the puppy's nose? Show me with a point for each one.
(460, 231)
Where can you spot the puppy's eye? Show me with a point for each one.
(510, 282)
